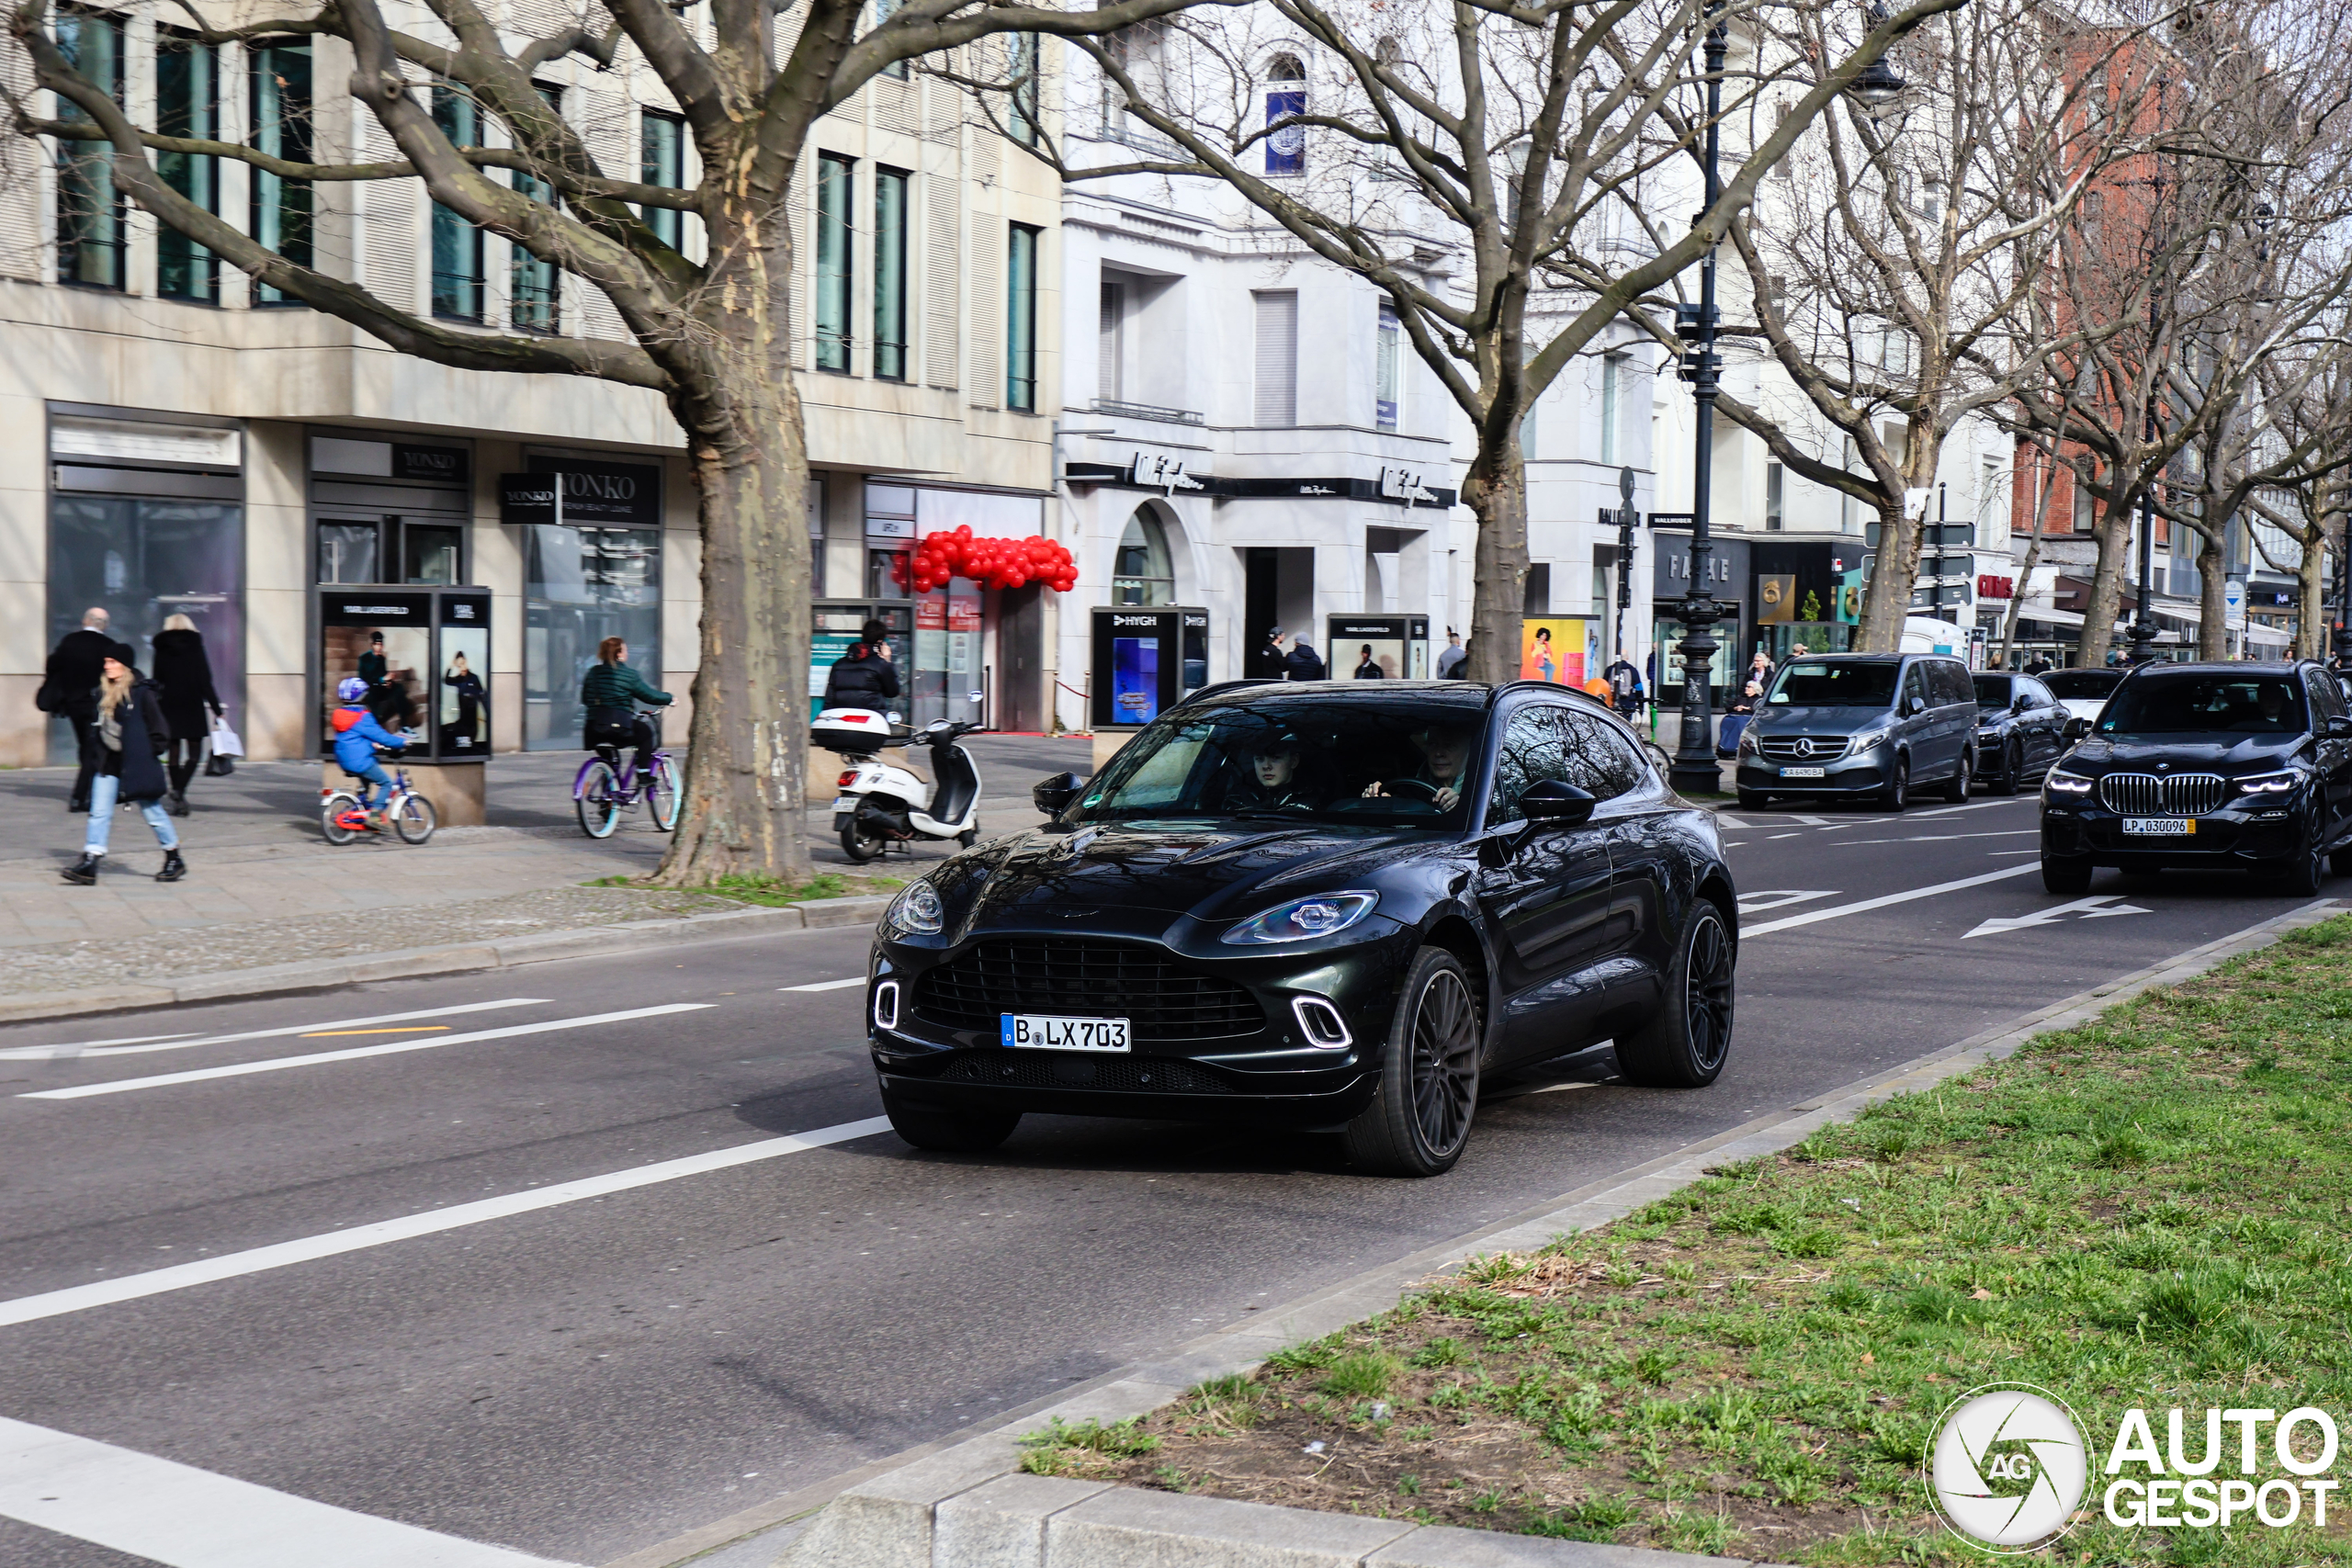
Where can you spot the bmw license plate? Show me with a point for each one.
(2162, 827)
(1805, 773)
(1043, 1031)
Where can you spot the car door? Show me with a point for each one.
(1636, 947)
(2334, 752)
(1954, 694)
(1544, 893)
(2045, 722)
(1917, 727)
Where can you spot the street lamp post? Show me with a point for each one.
(1695, 769)
(2143, 624)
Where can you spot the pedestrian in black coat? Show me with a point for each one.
(1302, 664)
(863, 678)
(128, 711)
(185, 676)
(65, 688)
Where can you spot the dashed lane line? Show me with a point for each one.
(1909, 895)
(827, 985)
(139, 1047)
(330, 1243)
(355, 1053)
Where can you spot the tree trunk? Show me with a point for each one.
(2314, 616)
(2107, 588)
(1886, 602)
(1495, 490)
(2212, 606)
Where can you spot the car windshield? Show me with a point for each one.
(2082, 684)
(1402, 759)
(1823, 685)
(1991, 691)
(2184, 704)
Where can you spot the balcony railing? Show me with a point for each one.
(1118, 409)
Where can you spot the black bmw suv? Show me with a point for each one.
(2214, 765)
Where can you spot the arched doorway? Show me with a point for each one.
(1144, 570)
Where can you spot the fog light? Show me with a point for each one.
(1321, 1022)
(886, 1005)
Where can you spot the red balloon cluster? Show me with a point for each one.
(993, 563)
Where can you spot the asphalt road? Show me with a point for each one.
(582, 1371)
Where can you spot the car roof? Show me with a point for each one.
(2222, 667)
(1871, 658)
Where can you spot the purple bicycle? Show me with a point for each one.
(608, 782)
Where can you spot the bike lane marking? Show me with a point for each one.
(354, 1052)
(105, 1048)
(176, 1514)
(827, 985)
(1908, 896)
(356, 1238)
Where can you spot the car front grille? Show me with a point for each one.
(1067, 1069)
(1075, 977)
(2149, 795)
(1802, 747)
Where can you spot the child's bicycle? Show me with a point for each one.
(342, 818)
(608, 782)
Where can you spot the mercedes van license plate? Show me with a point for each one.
(1805, 773)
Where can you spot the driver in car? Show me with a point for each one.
(1273, 783)
(1445, 757)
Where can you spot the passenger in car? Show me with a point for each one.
(1276, 779)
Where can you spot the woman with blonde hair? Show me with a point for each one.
(132, 736)
(186, 677)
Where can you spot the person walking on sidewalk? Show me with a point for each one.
(128, 716)
(1302, 664)
(185, 676)
(610, 692)
(65, 688)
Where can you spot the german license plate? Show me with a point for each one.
(1805, 773)
(2161, 827)
(846, 803)
(1043, 1031)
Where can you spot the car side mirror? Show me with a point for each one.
(2337, 729)
(2022, 704)
(1554, 803)
(2077, 729)
(1052, 796)
(1915, 707)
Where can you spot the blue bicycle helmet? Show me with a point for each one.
(350, 689)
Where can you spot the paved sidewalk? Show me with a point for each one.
(264, 889)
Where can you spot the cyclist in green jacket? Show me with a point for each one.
(610, 692)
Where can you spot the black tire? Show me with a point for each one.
(598, 804)
(1752, 799)
(859, 846)
(2304, 874)
(1896, 792)
(1956, 787)
(2012, 777)
(969, 837)
(951, 1132)
(1419, 1119)
(1685, 1043)
(2069, 875)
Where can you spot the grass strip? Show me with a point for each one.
(2146, 1210)
(774, 890)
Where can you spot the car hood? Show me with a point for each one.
(2212, 753)
(1817, 718)
(1135, 878)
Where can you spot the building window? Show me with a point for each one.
(662, 161)
(890, 274)
(1535, 590)
(457, 244)
(89, 207)
(187, 102)
(1529, 427)
(1776, 478)
(1021, 115)
(1277, 388)
(834, 178)
(1286, 97)
(883, 11)
(1021, 320)
(534, 286)
(1847, 520)
(1110, 342)
(1143, 572)
(280, 88)
(2085, 510)
(1612, 367)
(1387, 368)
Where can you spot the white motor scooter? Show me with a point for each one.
(880, 803)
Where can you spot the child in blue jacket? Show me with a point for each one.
(357, 735)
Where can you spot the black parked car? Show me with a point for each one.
(1333, 906)
(2020, 730)
(2246, 765)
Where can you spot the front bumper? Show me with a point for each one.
(1857, 773)
(2244, 832)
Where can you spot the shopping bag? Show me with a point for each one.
(225, 740)
(218, 767)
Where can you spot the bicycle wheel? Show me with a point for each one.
(414, 819)
(1661, 757)
(661, 792)
(332, 807)
(598, 800)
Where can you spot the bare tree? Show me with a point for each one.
(1506, 135)
(712, 336)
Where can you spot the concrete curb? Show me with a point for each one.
(586, 941)
(964, 1503)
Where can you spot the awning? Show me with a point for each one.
(2262, 634)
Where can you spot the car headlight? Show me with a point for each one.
(916, 909)
(2058, 782)
(2279, 783)
(1749, 744)
(1866, 739)
(1301, 919)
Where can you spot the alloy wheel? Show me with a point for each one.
(1445, 1062)
(1707, 995)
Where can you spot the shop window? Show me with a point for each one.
(1143, 572)
(89, 207)
(890, 274)
(457, 244)
(580, 586)
(391, 549)
(534, 286)
(834, 176)
(280, 209)
(1285, 97)
(187, 102)
(661, 162)
(1021, 320)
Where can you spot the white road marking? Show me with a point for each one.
(1559, 1087)
(2097, 906)
(176, 1514)
(181, 1043)
(1779, 898)
(354, 1052)
(827, 985)
(1883, 901)
(1725, 819)
(1997, 854)
(304, 1249)
(1812, 821)
(1971, 806)
(1778, 837)
(1949, 837)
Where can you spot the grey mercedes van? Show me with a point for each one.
(1867, 726)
